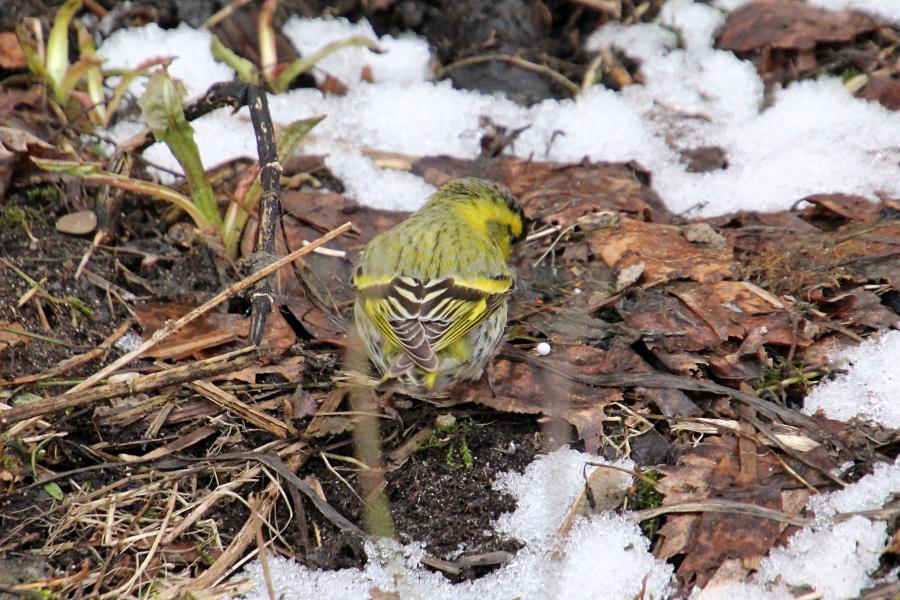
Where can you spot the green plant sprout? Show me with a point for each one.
(452, 434)
(277, 81)
(50, 62)
(163, 112)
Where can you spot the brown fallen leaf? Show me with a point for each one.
(664, 250)
(11, 56)
(789, 24)
(712, 470)
(782, 36)
(10, 338)
(858, 307)
(289, 368)
(668, 324)
(846, 206)
(208, 331)
(670, 402)
(884, 89)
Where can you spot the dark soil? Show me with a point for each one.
(434, 499)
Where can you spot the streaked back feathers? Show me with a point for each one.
(431, 292)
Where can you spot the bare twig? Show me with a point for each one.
(518, 61)
(723, 506)
(143, 383)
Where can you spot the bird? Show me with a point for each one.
(432, 292)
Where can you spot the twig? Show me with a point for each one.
(518, 61)
(237, 547)
(723, 506)
(172, 326)
(144, 383)
(261, 547)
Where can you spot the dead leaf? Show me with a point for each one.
(670, 402)
(9, 338)
(884, 89)
(893, 546)
(207, 331)
(559, 194)
(859, 307)
(605, 490)
(523, 388)
(11, 56)
(667, 323)
(665, 252)
(279, 336)
(712, 470)
(789, 24)
(290, 368)
(847, 206)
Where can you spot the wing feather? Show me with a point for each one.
(425, 318)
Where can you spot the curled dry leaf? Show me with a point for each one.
(846, 206)
(665, 252)
(789, 24)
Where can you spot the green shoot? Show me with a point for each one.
(162, 111)
(278, 82)
(57, 59)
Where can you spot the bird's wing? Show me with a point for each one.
(425, 318)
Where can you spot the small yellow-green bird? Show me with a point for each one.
(431, 293)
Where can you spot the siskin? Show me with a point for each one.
(431, 293)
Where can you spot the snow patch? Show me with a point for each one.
(869, 390)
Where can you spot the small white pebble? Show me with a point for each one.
(543, 349)
(577, 291)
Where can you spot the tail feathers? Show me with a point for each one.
(403, 364)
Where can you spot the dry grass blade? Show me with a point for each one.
(261, 547)
(230, 403)
(236, 550)
(723, 506)
(794, 440)
(154, 548)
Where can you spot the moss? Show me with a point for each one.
(643, 494)
(451, 434)
(14, 215)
